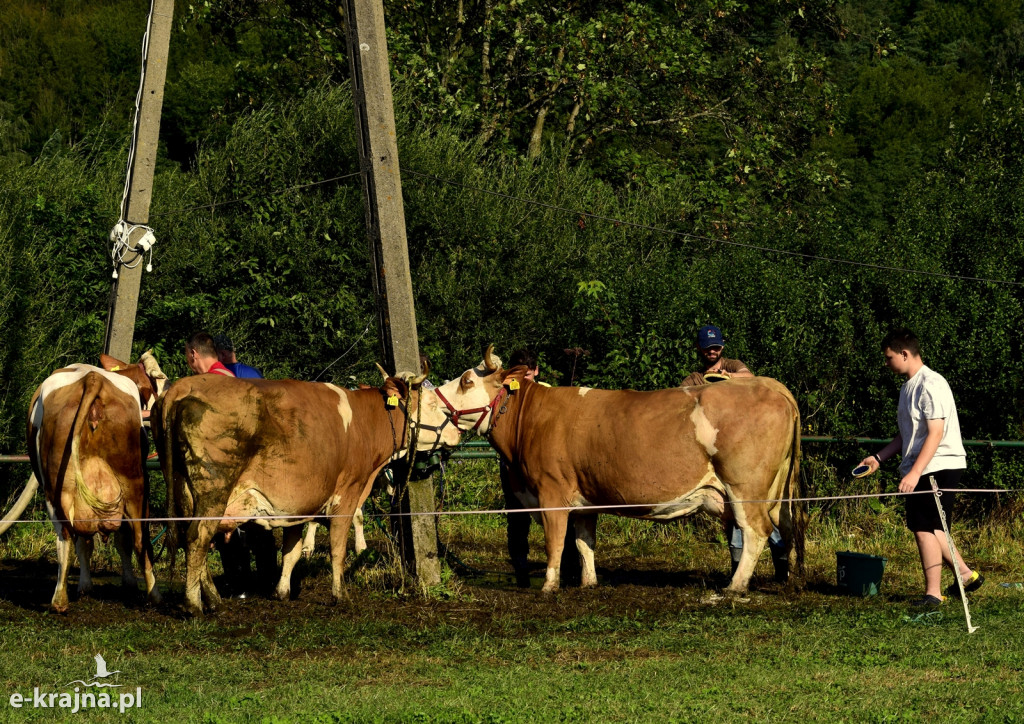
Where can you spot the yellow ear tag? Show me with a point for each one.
(115, 368)
(513, 385)
(392, 402)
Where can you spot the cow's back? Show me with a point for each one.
(626, 446)
(290, 440)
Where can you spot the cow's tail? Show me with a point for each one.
(794, 488)
(92, 385)
(29, 491)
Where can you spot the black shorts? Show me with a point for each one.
(922, 513)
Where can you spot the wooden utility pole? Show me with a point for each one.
(385, 224)
(124, 298)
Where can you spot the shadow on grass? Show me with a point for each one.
(29, 585)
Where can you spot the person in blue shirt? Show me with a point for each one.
(226, 355)
(250, 540)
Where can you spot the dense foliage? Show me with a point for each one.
(597, 180)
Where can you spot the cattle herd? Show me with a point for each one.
(280, 453)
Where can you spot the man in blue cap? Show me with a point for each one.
(712, 363)
(715, 367)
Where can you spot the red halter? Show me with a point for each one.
(488, 408)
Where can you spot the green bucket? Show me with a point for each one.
(859, 574)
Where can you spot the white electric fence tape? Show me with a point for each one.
(503, 511)
(952, 554)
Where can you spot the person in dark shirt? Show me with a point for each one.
(709, 352)
(518, 520)
(715, 367)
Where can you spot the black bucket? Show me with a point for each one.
(859, 574)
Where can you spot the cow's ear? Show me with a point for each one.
(147, 389)
(111, 364)
(393, 386)
(516, 373)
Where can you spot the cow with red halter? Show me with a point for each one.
(281, 453)
(731, 449)
(86, 444)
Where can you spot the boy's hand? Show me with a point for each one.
(909, 482)
(871, 462)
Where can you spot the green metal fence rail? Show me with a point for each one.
(482, 450)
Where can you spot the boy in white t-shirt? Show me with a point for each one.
(929, 440)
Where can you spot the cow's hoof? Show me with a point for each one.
(795, 584)
(549, 588)
(736, 596)
(282, 594)
(130, 583)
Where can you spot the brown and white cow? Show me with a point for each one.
(234, 450)
(731, 448)
(146, 374)
(86, 444)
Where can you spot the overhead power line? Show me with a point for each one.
(274, 192)
(620, 222)
(697, 237)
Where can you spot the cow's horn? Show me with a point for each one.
(489, 364)
(19, 506)
(424, 371)
(148, 361)
(382, 372)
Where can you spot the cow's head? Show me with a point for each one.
(468, 399)
(146, 374)
(424, 410)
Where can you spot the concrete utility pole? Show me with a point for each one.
(125, 293)
(385, 224)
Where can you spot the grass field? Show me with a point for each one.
(647, 645)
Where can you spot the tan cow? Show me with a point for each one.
(234, 450)
(86, 445)
(731, 449)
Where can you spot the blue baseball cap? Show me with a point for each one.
(710, 336)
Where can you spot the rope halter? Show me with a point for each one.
(487, 410)
(417, 425)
